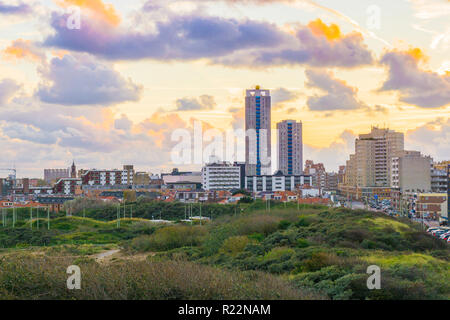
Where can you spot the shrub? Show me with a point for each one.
(302, 243)
(303, 222)
(172, 237)
(279, 253)
(320, 260)
(234, 245)
(264, 224)
(283, 225)
(257, 237)
(35, 277)
(141, 243)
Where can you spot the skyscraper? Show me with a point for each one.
(290, 147)
(257, 126)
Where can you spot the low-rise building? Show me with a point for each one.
(364, 193)
(317, 173)
(178, 176)
(68, 186)
(55, 203)
(108, 177)
(432, 205)
(276, 182)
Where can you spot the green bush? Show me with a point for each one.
(320, 260)
(234, 245)
(283, 225)
(302, 243)
(172, 237)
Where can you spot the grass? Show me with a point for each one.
(314, 252)
(26, 277)
(407, 260)
(382, 223)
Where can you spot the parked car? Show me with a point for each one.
(444, 235)
(439, 233)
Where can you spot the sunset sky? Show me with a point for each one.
(113, 91)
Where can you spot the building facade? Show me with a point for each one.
(371, 164)
(290, 147)
(438, 179)
(317, 173)
(432, 206)
(221, 176)
(374, 152)
(448, 192)
(277, 182)
(411, 172)
(258, 132)
(53, 175)
(67, 186)
(108, 177)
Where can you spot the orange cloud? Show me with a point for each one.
(331, 32)
(23, 49)
(59, 53)
(106, 12)
(417, 54)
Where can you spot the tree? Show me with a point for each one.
(129, 196)
(242, 191)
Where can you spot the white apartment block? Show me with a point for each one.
(221, 176)
(277, 182)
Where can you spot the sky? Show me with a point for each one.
(108, 82)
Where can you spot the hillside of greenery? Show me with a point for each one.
(310, 252)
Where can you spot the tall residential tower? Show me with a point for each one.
(258, 129)
(290, 147)
(370, 166)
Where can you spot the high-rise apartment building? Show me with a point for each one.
(374, 152)
(258, 129)
(290, 147)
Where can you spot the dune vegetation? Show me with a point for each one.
(310, 252)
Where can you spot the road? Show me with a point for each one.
(105, 254)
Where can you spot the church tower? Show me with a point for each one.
(73, 170)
